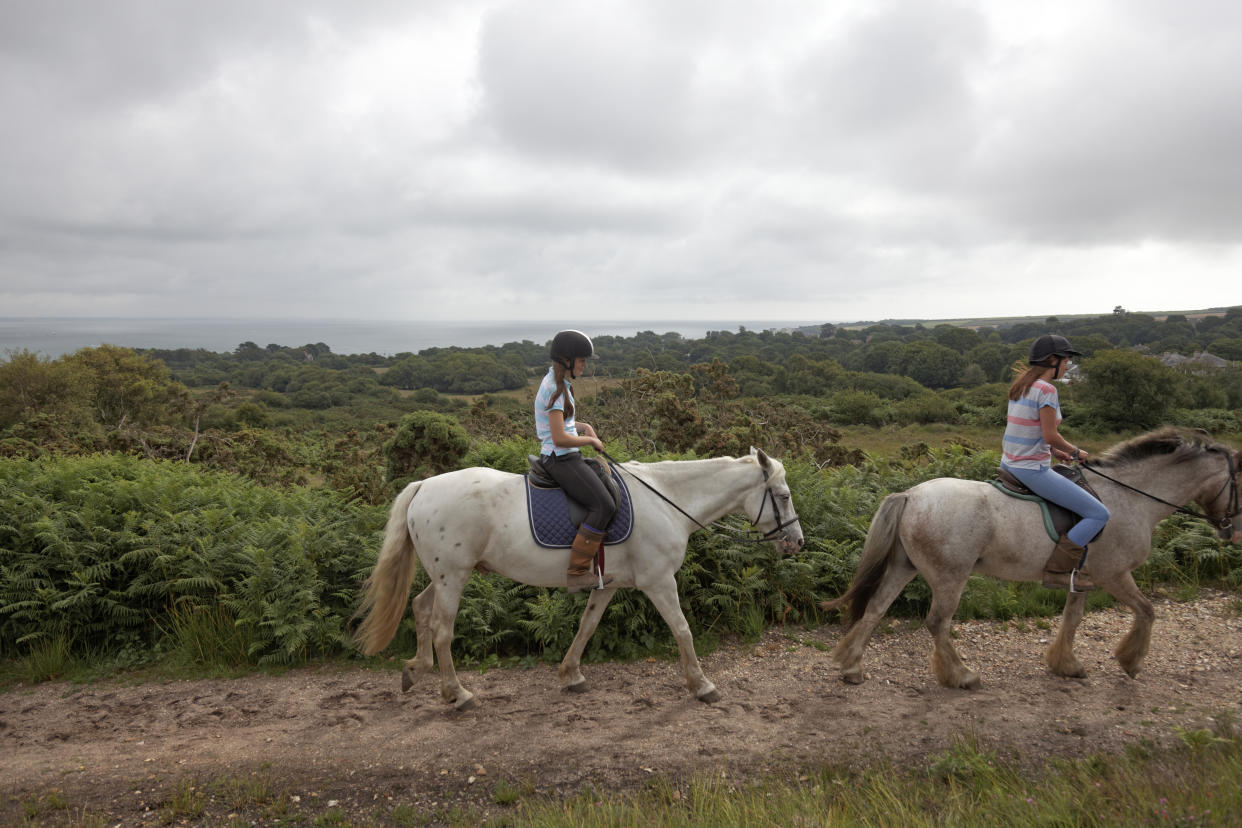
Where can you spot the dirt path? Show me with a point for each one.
(351, 738)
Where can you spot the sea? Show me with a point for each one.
(54, 337)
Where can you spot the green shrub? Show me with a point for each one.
(858, 408)
(928, 408)
(425, 443)
(1211, 420)
(108, 552)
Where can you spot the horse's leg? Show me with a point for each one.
(849, 650)
(1060, 656)
(443, 614)
(1132, 649)
(571, 666)
(663, 594)
(424, 654)
(946, 664)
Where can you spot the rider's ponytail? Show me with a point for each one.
(1024, 377)
(558, 371)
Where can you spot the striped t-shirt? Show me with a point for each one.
(543, 429)
(1024, 446)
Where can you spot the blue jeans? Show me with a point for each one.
(1053, 487)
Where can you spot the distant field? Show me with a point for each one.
(1004, 321)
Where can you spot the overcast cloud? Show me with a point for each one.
(619, 159)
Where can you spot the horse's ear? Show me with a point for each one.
(764, 460)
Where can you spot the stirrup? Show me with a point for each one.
(600, 582)
(1072, 585)
(1073, 588)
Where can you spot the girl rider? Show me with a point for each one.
(1031, 440)
(562, 435)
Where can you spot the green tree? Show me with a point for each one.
(959, 339)
(1125, 390)
(932, 364)
(424, 444)
(124, 387)
(30, 385)
(993, 359)
(1230, 349)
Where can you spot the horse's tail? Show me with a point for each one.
(881, 547)
(386, 590)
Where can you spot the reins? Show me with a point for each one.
(716, 526)
(1224, 524)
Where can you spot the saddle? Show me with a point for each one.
(1057, 519)
(555, 517)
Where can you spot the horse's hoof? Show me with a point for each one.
(710, 697)
(580, 687)
(970, 682)
(407, 681)
(852, 677)
(465, 704)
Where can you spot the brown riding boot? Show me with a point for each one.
(580, 576)
(1062, 572)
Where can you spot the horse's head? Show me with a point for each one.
(1219, 498)
(772, 506)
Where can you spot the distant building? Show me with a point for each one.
(1202, 360)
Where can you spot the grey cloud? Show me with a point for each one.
(178, 157)
(584, 82)
(1134, 137)
(889, 93)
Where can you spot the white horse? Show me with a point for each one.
(477, 516)
(944, 529)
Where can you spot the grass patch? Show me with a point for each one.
(48, 659)
(206, 636)
(1192, 782)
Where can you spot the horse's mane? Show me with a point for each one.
(1179, 443)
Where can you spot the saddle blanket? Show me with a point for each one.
(1057, 519)
(550, 523)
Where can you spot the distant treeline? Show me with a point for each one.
(943, 356)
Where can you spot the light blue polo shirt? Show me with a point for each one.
(543, 429)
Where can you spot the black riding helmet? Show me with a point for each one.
(568, 346)
(1050, 345)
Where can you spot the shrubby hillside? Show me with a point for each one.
(183, 504)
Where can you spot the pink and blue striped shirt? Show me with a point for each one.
(1024, 446)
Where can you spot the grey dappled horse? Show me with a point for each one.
(945, 529)
(462, 519)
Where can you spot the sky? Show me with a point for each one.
(802, 160)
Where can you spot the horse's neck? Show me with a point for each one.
(706, 489)
(1159, 477)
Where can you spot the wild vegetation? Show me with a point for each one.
(165, 507)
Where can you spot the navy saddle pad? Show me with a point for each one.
(553, 527)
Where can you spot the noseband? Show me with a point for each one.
(771, 534)
(1223, 523)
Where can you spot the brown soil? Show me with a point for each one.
(348, 738)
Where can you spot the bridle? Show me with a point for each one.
(1223, 523)
(749, 536)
